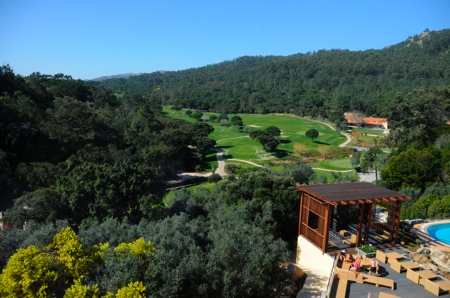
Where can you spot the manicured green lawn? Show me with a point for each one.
(337, 164)
(376, 132)
(238, 145)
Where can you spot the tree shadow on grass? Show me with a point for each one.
(225, 156)
(280, 153)
(322, 143)
(285, 141)
(210, 158)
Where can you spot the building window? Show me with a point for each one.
(313, 220)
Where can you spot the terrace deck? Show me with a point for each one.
(403, 286)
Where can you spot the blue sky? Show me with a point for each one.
(89, 39)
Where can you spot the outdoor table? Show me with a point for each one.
(394, 255)
(427, 274)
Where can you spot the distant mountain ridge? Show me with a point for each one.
(325, 83)
(118, 76)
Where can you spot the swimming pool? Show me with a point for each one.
(441, 232)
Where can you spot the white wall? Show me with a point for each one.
(310, 257)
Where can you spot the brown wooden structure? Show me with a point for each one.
(317, 203)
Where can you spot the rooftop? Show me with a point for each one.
(352, 193)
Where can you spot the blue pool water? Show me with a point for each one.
(441, 232)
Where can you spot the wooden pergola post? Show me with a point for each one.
(398, 208)
(359, 225)
(300, 215)
(326, 229)
(367, 219)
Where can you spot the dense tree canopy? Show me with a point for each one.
(324, 84)
(71, 150)
(83, 172)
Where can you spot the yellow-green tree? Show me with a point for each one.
(29, 273)
(78, 290)
(132, 290)
(69, 252)
(138, 248)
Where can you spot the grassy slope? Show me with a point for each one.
(237, 144)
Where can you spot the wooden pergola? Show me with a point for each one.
(317, 203)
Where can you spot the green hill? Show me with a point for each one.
(324, 83)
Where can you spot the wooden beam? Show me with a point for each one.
(367, 219)
(396, 221)
(300, 214)
(326, 231)
(359, 226)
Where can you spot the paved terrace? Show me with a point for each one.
(403, 286)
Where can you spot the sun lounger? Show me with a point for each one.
(413, 276)
(378, 281)
(395, 265)
(383, 237)
(351, 241)
(331, 244)
(349, 275)
(381, 256)
(434, 287)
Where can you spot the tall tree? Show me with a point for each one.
(312, 134)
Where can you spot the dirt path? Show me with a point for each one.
(246, 161)
(328, 170)
(220, 163)
(231, 139)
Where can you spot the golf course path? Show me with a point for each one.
(220, 163)
(349, 139)
(328, 170)
(250, 162)
(232, 138)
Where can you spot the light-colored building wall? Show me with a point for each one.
(311, 257)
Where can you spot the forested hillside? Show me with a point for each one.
(83, 171)
(325, 83)
(65, 144)
(82, 182)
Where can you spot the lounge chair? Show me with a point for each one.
(351, 241)
(383, 237)
(378, 281)
(413, 276)
(434, 287)
(395, 265)
(350, 275)
(331, 244)
(381, 256)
